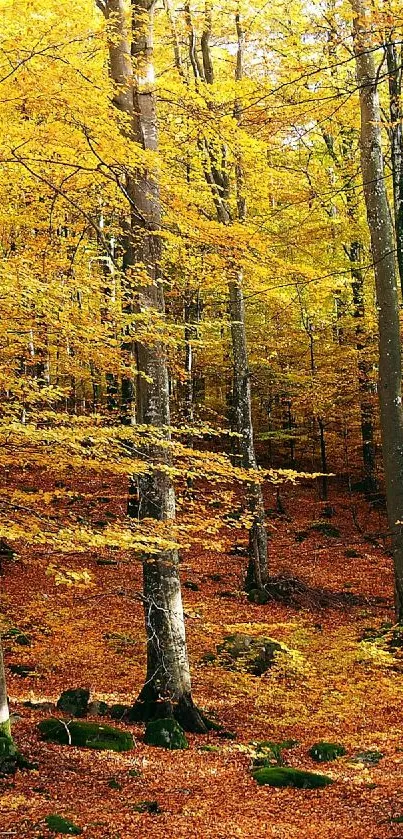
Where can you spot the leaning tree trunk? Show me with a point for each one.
(5, 726)
(383, 255)
(167, 688)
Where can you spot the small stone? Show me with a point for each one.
(371, 758)
(151, 807)
(74, 702)
(114, 784)
(97, 708)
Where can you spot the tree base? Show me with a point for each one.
(151, 706)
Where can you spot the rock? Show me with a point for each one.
(97, 708)
(58, 824)
(259, 596)
(371, 758)
(323, 752)
(239, 550)
(286, 776)
(19, 637)
(151, 807)
(114, 784)
(119, 712)
(208, 747)
(90, 735)
(248, 654)
(74, 702)
(191, 586)
(24, 671)
(39, 706)
(134, 773)
(166, 733)
(112, 562)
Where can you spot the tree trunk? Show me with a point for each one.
(382, 241)
(167, 688)
(5, 726)
(257, 574)
(396, 143)
(216, 177)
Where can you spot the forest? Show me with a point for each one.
(201, 422)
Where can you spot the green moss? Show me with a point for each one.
(286, 776)
(5, 729)
(87, 734)
(208, 747)
(8, 756)
(61, 825)
(323, 752)
(166, 733)
(118, 712)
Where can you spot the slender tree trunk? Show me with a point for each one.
(167, 688)
(5, 726)
(217, 179)
(396, 142)
(383, 254)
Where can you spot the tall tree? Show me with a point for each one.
(383, 255)
(167, 688)
(214, 155)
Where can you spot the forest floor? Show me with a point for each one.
(336, 687)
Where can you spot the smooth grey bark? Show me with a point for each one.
(353, 250)
(383, 254)
(167, 688)
(395, 130)
(5, 725)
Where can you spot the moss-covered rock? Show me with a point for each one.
(166, 733)
(286, 776)
(61, 825)
(269, 753)
(151, 807)
(74, 702)
(248, 653)
(119, 711)
(323, 752)
(90, 735)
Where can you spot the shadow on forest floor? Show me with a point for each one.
(291, 591)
